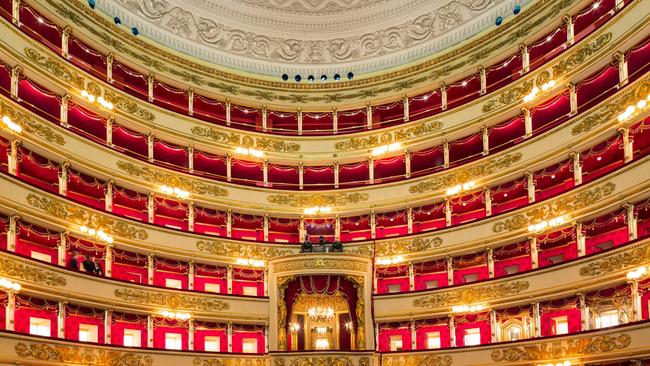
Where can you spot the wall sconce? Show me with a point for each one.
(316, 210)
(176, 315)
(460, 188)
(381, 150)
(632, 109)
(535, 92)
(294, 328)
(91, 98)
(389, 261)
(249, 151)
(250, 262)
(637, 273)
(10, 285)
(467, 308)
(349, 326)
(97, 233)
(175, 191)
(13, 126)
(544, 225)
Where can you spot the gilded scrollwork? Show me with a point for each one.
(172, 300)
(240, 250)
(320, 263)
(191, 185)
(79, 216)
(509, 96)
(404, 246)
(471, 295)
(55, 67)
(14, 268)
(630, 257)
(81, 355)
(261, 143)
(229, 361)
(416, 360)
(357, 143)
(570, 347)
(465, 175)
(555, 208)
(579, 57)
(30, 124)
(311, 200)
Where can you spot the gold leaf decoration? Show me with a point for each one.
(609, 111)
(416, 360)
(80, 216)
(240, 250)
(55, 67)
(231, 361)
(173, 180)
(128, 105)
(555, 208)
(570, 347)
(364, 250)
(13, 268)
(261, 143)
(172, 300)
(31, 124)
(579, 57)
(630, 257)
(81, 355)
(403, 246)
(384, 138)
(321, 263)
(311, 200)
(471, 295)
(460, 176)
(509, 96)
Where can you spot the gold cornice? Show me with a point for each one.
(19, 269)
(553, 350)
(634, 256)
(259, 90)
(406, 246)
(39, 128)
(307, 263)
(81, 355)
(191, 185)
(172, 300)
(236, 361)
(471, 295)
(416, 360)
(387, 137)
(76, 215)
(234, 138)
(300, 201)
(241, 250)
(555, 208)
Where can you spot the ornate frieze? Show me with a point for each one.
(30, 124)
(570, 347)
(509, 96)
(234, 361)
(172, 300)
(610, 264)
(579, 57)
(555, 208)
(321, 263)
(240, 250)
(312, 200)
(11, 267)
(405, 246)
(260, 143)
(79, 216)
(471, 295)
(329, 360)
(56, 68)
(191, 185)
(416, 360)
(77, 354)
(358, 143)
(464, 175)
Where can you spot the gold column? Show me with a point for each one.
(283, 282)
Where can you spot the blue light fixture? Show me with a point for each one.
(517, 9)
(323, 78)
(91, 3)
(311, 78)
(337, 77)
(298, 78)
(117, 21)
(135, 31)
(498, 21)
(350, 75)
(285, 77)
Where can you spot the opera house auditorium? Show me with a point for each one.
(325, 182)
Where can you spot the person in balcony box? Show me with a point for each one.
(98, 267)
(74, 264)
(337, 246)
(89, 265)
(306, 246)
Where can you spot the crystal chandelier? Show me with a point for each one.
(321, 314)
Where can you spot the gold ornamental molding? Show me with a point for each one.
(235, 361)
(567, 64)
(563, 348)
(77, 215)
(242, 86)
(241, 250)
(459, 176)
(416, 360)
(630, 257)
(608, 111)
(367, 142)
(13, 268)
(155, 176)
(56, 68)
(320, 263)
(80, 355)
(233, 138)
(333, 360)
(554, 208)
(31, 125)
(311, 200)
(405, 246)
(471, 295)
(173, 301)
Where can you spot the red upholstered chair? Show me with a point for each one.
(86, 122)
(209, 109)
(170, 97)
(210, 222)
(317, 123)
(425, 105)
(503, 72)
(86, 57)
